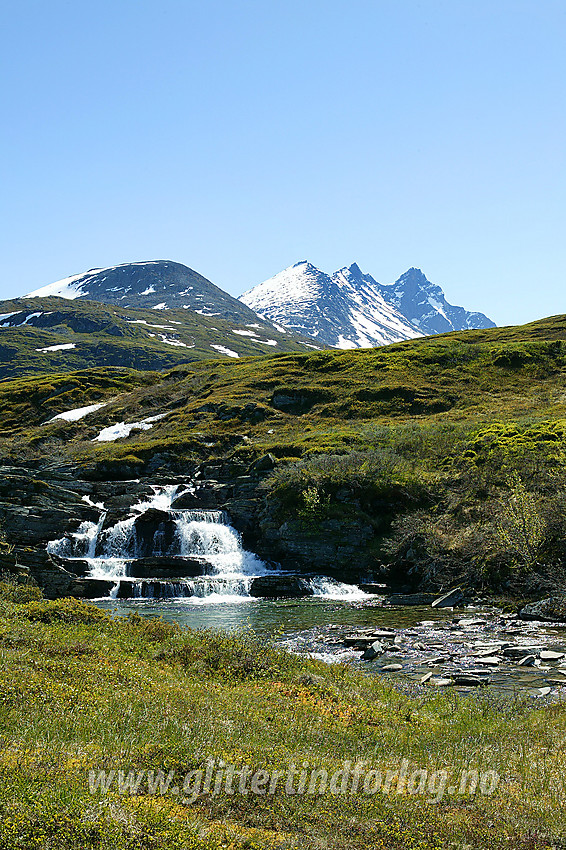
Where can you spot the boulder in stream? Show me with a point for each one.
(373, 651)
(168, 567)
(552, 609)
(280, 586)
(448, 600)
(411, 599)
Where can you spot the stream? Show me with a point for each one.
(189, 566)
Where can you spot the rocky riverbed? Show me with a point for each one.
(478, 648)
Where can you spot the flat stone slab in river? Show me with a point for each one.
(520, 651)
(411, 599)
(470, 681)
(527, 661)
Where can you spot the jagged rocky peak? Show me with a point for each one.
(157, 284)
(350, 309)
(425, 305)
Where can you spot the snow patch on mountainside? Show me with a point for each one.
(64, 347)
(227, 351)
(78, 413)
(69, 287)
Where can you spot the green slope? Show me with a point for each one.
(471, 376)
(106, 335)
(424, 443)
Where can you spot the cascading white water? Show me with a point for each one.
(228, 570)
(197, 534)
(330, 588)
(212, 538)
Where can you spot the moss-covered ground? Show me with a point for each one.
(81, 691)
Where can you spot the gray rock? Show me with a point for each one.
(185, 501)
(90, 588)
(373, 651)
(361, 641)
(264, 463)
(280, 586)
(392, 668)
(168, 567)
(552, 609)
(468, 680)
(453, 597)
(550, 655)
(527, 661)
(520, 651)
(410, 599)
(373, 587)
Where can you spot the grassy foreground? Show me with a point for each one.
(81, 691)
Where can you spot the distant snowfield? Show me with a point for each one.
(78, 412)
(169, 341)
(69, 287)
(223, 350)
(123, 429)
(65, 347)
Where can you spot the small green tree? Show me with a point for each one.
(520, 529)
(310, 503)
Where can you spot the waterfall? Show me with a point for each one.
(171, 535)
(160, 552)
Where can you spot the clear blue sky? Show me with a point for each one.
(240, 136)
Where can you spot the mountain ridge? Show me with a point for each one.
(55, 335)
(350, 309)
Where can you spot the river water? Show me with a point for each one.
(421, 640)
(209, 580)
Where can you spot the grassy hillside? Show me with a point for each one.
(98, 334)
(428, 440)
(83, 692)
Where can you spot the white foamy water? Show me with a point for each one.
(329, 588)
(202, 534)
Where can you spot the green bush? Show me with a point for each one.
(65, 611)
(520, 527)
(241, 656)
(14, 591)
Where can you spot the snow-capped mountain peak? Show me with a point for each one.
(345, 310)
(157, 284)
(350, 309)
(425, 305)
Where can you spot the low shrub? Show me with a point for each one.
(241, 656)
(65, 611)
(14, 591)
